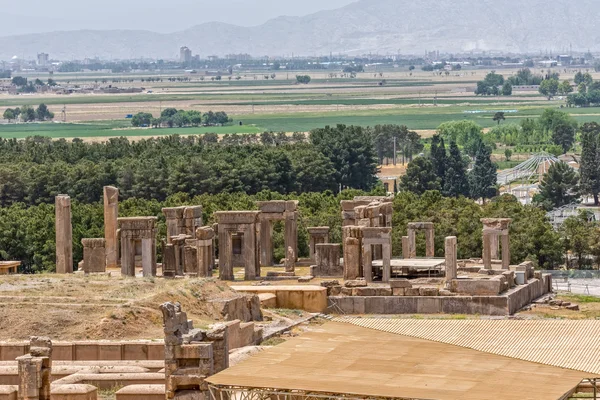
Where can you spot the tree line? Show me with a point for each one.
(28, 114)
(171, 117)
(34, 170)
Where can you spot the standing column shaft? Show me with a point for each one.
(505, 251)
(386, 254)
(430, 243)
(225, 256)
(266, 242)
(111, 213)
(64, 235)
(291, 232)
(367, 263)
(494, 246)
(487, 251)
(450, 255)
(127, 256)
(412, 244)
(405, 247)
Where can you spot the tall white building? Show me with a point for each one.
(185, 55)
(42, 59)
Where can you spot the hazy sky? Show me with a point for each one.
(157, 15)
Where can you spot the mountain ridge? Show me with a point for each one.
(366, 26)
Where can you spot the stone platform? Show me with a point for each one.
(307, 298)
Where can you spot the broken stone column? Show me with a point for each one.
(291, 226)
(140, 230)
(205, 250)
(451, 261)
(430, 241)
(405, 247)
(35, 370)
(412, 243)
(290, 260)
(492, 229)
(188, 355)
(317, 235)
(111, 214)
(494, 247)
(327, 260)
(352, 260)
(174, 220)
(178, 243)
(192, 220)
(169, 262)
(94, 255)
(190, 260)
(64, 235)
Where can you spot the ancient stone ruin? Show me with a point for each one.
(64, 235)
(411, 239)
(493, 228)
(327, 261)
(138, 237)
(191, 355)
(272, 211)
(239, 235)
(94, 255)
(35, 370)
(182, 221)
(111, 214)
(317, 235)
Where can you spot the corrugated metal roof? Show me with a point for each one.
(572, 344)
(338, 358)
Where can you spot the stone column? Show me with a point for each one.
(169, 269)
(450, 255)
(148, 258)
(175, 223)
(290, 260)
(64, 235)
(429, 242)
(127, 254)
(412, 243)
(494, 246)
(505, 250)
(405, 247)
(35, 370)
(367, 263)
(94, 255)
(487, 251)
(249, 252)
(291, 231)
(204, 242)
(192, 219)
(352, 258)
(266, 242)
(111, 213)
(386, 254)
(225, 256)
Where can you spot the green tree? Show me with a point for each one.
(456, 182)
(19, 81)
(507, 89)
(508, 154)
(559, 187)
(589, 169)
(499, 116)
(565, 88)
(42, 113)
(439, 158)
(304, 79)
(142, 119)
(27, 114)
(467, 134)
(483, 176)
(576, 235)
(563, 135)
(549, 88)
(9, 114)
(420, 177)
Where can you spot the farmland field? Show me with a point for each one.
(421, 101)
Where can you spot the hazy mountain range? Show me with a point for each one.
(367, 26)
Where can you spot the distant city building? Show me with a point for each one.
(185, 55)
(42, 59)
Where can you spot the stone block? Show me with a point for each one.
(400, 283)
(141, 392)
(383, 291)
(411, 292)
(477, 287)
(8, 392)
(74, 392)
(86, 351)
(428, 291)
(398, 291)
(135, 351)
(109, 351)
(62, 351)
(356, 283)
(346, 291)
(365, 291)
(334, 291)
(330, 283)
(359, 305)
(268, 300)
(305, 279)
(374, 305)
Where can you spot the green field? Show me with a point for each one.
(59, 130)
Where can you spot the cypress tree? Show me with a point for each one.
(456, 182)
(483, 177)
(589, 169)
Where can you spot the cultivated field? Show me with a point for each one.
(421, 100)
